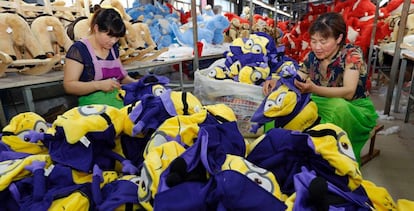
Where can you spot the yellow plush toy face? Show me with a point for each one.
(254, 44)
(337, 150)
(279, 103)
(260, 176)
(19, 126)
(157, 160)
(217, 73)
(253, 75)
(78, 121)
(285, 69)
(181, 128)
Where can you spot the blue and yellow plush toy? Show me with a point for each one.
(13, 136)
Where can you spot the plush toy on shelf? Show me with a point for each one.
(19, 42)
(50, 32)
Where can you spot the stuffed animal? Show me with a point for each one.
(15, 33)
(211, 31)
(19, 42)
(50, 32)
(13, 138)
(6, 61)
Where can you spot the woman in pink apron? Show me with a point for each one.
(93, 70)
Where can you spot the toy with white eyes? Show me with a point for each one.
(257, 53)
(219, 73)
(84, 136)
(13, 134)
(254, 75)
(148, 84)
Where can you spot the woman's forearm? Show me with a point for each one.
(80, 88)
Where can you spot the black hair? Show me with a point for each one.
(329, 24)
(108, 20)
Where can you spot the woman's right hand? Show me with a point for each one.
(108, 85)
(268, 86)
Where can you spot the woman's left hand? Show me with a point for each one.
(305, 87)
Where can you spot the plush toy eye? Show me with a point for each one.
(258, 175)
(344, 147)
(91, 110)
(256, 49)
(269, 104)
(144, 192)
(263, 182)
(212, 73)
(249, 44)
(158, 91)
(135, 180)
(40, 126)
(158, 139)
(280, 98)
(22, 134)
(256, 75)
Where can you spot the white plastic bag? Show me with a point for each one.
(244, 99)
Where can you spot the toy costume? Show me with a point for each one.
(357, 116)
(98, 69)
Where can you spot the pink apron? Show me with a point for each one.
(105, 69)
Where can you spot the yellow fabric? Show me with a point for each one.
(260, 176)
(194, 104)
(182, 128)
(405, 205)
(250, 74)
(78, 121)
(19, 126)
(222, 110)
(13, 170)
(338, 153)
(304, 119)
(156, 161)
(379, 196)
(75, 201)
(280, 102)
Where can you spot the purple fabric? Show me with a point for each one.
(234, 191)
(80, 157)
(185, 196)
(302, 181)
(117, 193)
(283, 152)
(148, 115)
(136, 90)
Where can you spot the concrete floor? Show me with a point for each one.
(393, 169)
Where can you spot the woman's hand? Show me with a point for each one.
(108, 85)
(305, 87)
(268, 86)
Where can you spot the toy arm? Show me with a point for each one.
(39, 184)
(127, 166)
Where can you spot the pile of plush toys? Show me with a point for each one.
(166, 150)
